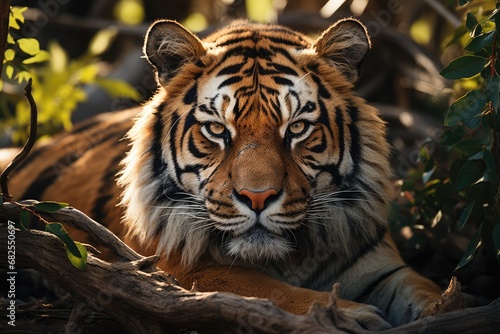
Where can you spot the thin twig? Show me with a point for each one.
(26, 149)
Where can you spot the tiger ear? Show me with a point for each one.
(168, 46)
(345, 45)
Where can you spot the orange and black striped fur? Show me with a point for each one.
(254, 169)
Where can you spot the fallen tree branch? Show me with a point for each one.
(142, 299)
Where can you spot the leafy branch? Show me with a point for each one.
(474, 116)
(76, 252)
(60, 81)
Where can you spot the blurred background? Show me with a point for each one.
(87, 59)
(88, 41)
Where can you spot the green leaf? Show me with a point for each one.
(50, 206)
(88, 74)
(101, 41)
(452, 136)
(13, 23)
(483, 193)
(472, 248)
(491, 166)
(466, 108)
(29, 45)
(17, 13)
(464, 217)
(9, 71)
(476, 156)
(24, 218)
(471, 22)
(58, 230)
(77, 254)
(59, 57)
(10, 40)
(469, 173)
(463, 2)
(9, 54)
(23, 76)
(118, 88)
(481, 41)
(80, 262)
(496, 240)
(464, 67)
(426, 176)
(38, 58)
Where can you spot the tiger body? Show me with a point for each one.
(255, 169)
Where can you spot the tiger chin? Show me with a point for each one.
(255, 169)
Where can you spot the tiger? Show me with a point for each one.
(254, 169)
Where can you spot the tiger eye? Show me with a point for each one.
(216, 128)
(298, 127)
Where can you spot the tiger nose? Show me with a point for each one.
(257, 198)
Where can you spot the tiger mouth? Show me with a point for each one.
(258, 243)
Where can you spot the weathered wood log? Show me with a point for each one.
(142, 299)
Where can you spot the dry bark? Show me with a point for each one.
(142, 299)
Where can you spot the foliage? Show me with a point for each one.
(76, 252)
(59, 82)
(462, 191)
(22, 52)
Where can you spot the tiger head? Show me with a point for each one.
(255, 148)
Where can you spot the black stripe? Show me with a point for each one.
(284, 52)
(355, 148)
(309, 107)
(173, 135)
(284, 69)
(46, 178)
(105, 193)
(321, 147)
(192, 95)
(339, 121)
(159, 165)
(276, 105)
(281, 40)
(369, 289)
(230, 81)
(283, 81)
(205, 109)
(231, 69)
(86, 125)
(322, 91)
(193, 149)
(50, 174)
(393, 297)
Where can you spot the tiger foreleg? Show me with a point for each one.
(249, 282)
(407, 296)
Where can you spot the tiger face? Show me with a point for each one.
(255, 145)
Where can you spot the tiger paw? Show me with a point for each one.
(452, 299)
(367, 316)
